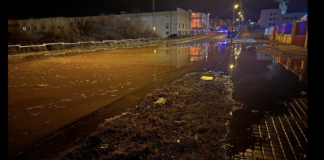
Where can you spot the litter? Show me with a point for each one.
(303, 93)
(255, 111)
(160, 100)
(206, 78)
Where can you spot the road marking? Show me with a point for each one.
(278, 138)
(303, 103)
(270, 139)
(294, 117)
(287, 138)
(293, 131)
(300, 108)
(296, 111)
(261, 141)
(299, 126)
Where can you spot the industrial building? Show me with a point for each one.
(273, 17)
(166, 22)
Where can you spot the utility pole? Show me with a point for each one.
(233, 22)
(153, 20)
(240, 19)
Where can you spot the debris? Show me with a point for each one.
(42, 85)
(303, 93)
(160, 100)
(206, 78)
(255, 111)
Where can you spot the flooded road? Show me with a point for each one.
(47, 94)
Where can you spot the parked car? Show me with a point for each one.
(229, 33)
(221, 30)
(173, 36)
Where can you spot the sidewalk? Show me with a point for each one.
(285, 50)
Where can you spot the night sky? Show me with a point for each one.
(221, 8)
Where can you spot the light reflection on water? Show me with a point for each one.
(47, 94)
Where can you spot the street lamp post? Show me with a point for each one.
(235, 6)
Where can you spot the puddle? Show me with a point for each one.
(69, 87)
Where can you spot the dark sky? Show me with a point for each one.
(64, 8)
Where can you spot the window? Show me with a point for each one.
(35, 28)
(270, 19)
(291, 17)
(43, 28)
(182, 26)
(287, 18)
(179, 25)
(167, 26)
(270, 14)
(274, 14)
(166, 17)
(269, 24)
(28, 28)
(167, 52)
(295, 18)
(167, 32)
(186, 26)
(277, 18)
(283, 18)
(58, 26)
(71, 23)
(273, 24)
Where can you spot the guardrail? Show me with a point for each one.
(126, 43)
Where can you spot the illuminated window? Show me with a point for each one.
(167, 26)
(274, 14)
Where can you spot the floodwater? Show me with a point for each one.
(47, 94)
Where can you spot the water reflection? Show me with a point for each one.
(48, 93)
(234, 59)
(299, 67)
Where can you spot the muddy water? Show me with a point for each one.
(47, 94)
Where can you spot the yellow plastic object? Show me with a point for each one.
(206, 78)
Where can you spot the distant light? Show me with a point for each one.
(154, 51)
(239, 12)
(236, 6)
(191, 59)
(235, 57)
(231, 66)
(153, 28)
(193, 13)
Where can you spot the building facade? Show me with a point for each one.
(215, 23)
(199, 22)
(273, 17)
(167, 22)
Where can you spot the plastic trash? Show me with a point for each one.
(160, 100)
(207, 78)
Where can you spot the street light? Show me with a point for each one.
(237, 19)
(239, 12)
(236, 6)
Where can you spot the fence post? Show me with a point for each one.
(293, 32)
(306, 40)
(283, 33)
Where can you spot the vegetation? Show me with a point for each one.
(187, 119)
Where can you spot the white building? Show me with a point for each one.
(273, 17)
(167, 22)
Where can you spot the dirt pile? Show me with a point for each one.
(186, 119)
